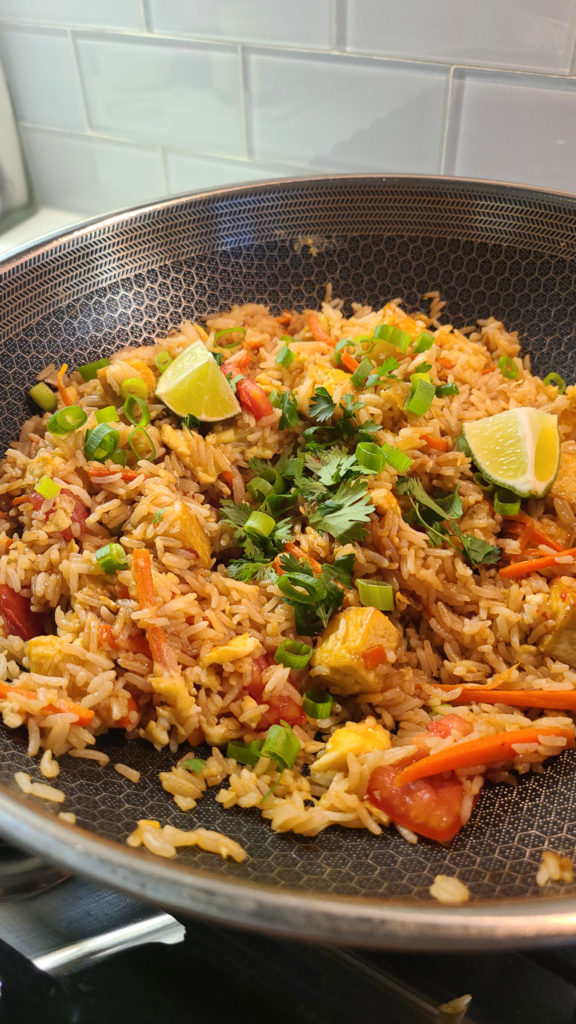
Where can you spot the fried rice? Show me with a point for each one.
(193, 666)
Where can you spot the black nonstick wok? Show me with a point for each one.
(489, 249)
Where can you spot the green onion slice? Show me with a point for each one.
(162, 360)
(119, 457)
(111, 558)
(133, 386)
(44, 397)
(420, 397)
(66, 420)
(394, 336)
(318, 703)
(281, 744)
(553, 379)
(482, 482)
(506, 502)
(508, 368)
(158, 516)
(362, 372)
(245, 753)
(370, 456)
(260, 523)
(424, 341)
(343, 343)
(89, 371)
(269, 482)
(293, 654)
(101, 443)
(47, 487)
(149, 452)
(285, 356)
(445, 390)
(132, 403)
(300, 588)
(106, 415)
(230, 330)
(193, 764)
(397, 459)
(294, 467)
(376, 595)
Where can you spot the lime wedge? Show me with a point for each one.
(518, 449)
(193, 384)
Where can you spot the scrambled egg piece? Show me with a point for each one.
(238, 647)
(333, 379)
(144, 372)
(564, 485)
(561, 642)
(187, 528)
(204, 460)
(350, 634)
(45, 654)
(384, 500)
(354, 738)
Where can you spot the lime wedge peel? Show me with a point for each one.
(193, 384)
(518, 449)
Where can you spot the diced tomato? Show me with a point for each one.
(79, 512)
(430, 807)
(281, 709)
(135, 643)
(238, 363)
(17, 616)
(446, 725)
(253, 398)
(256, 684)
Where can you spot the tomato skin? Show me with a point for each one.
(253, 398)
(237, 363)
(281, 709)
(431, 807)
(256, 684)
(18, 618)
(79, 512)
(446, 725)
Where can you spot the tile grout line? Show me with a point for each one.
(79, 82)
(447, 116)
(246, 125)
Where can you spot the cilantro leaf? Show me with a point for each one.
(322, 407)
(330, 467)
(447, 507)
(314, 599)
(343, 514)
(341, 569)
(235, 515)
(433, 513)
(286, 401)
(478, 551)
(245, 570)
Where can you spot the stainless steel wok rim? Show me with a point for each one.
(311, 916)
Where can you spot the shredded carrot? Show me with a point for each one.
(227, 477)
(315, 328)
(162, 653)
(83, 715)
(480, 751)
(348, 361)
(447, 363)
(61, 386)
(284, 319)
(530, 532)
(374, 656)
(94, 472)
(563, 699)
(440, 444)
(21, 499)
(517, 569)
(488, 369)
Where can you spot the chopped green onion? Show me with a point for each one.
(282, 745)
(133, 386)
(376, 595)
(106, 415)
(343, 343)
(506, 503)
(482, 482)
(111, 558)
(260, 523)
(285, 356)
(445, 390)
(508, 368)
(230, 330)
(162, 360)
(397, 459)
(553, 379)
(89, 371)
(299, 588)
(66, 420)
(101, 443)
(119, 457)
(394, 336)
(370, 456)
(245, 753)
(43, 396)
(293, 654)
(158, 516)
(424, 341)
(130, 405)
(193, 764)
(191, 422)
(269, 482)
(362, 372)
(294, 467)
(47, 487)
(420, 397)
(152, 447)
(318, 703)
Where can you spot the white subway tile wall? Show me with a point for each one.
(120, 101)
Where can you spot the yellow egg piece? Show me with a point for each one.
(239, 647)
(353, 738)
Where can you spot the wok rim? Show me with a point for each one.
(290, 913)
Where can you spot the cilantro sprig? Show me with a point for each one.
(315, 599)
(439, 517)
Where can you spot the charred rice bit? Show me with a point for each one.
(449, 890)
(554, 867)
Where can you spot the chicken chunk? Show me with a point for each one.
(561, 642)
(564, 485)
(351, 634)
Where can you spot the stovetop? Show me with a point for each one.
(76, 953)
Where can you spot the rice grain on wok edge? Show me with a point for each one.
(453, 622)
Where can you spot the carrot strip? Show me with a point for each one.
(531, 532)
(488, 369)
(349, 362)
(315, 328)
(61, 387)
(83, 715)
(302, 556)
(440, 444)
(447, 363)
(374, 656)
(516, 569)
(227, 477)
(484, 750)
(21, 499)
(284, 319)
(162, 653)
(565, 700)
(94, 472)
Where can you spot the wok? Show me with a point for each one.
(489, 249)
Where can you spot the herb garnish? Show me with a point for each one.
(315, 599)
(438, 516)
